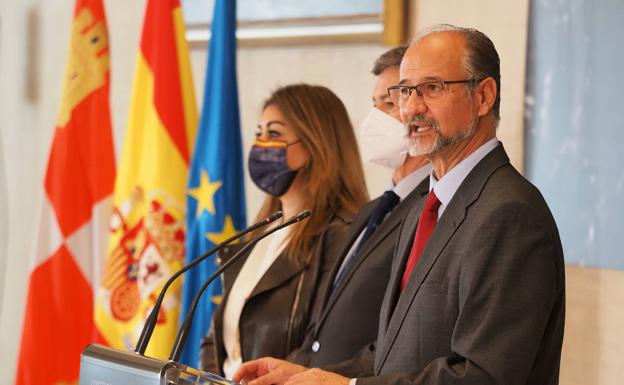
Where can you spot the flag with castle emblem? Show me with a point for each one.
(71, 240)
(216, 196)
(147, 228)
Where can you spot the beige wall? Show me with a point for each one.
(506, 22)
(26, 121)
(593, 342)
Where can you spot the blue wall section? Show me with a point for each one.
(575, 123)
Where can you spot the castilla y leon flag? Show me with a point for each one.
(146, 243)
(58, 321)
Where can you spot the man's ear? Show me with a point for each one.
(485, 95)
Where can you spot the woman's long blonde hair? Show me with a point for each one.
(333, 177)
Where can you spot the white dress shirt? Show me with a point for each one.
(447, 186)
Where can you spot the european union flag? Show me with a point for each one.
(216, 200)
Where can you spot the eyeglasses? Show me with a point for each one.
(427, 90)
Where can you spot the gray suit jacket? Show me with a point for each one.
(349, 319)
(485, 303)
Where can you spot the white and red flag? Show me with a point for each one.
(73, 221)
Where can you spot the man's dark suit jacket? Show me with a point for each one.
(350, 319)
(485, 302)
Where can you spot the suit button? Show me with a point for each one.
(316, 346)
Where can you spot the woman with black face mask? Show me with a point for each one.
(305, 157)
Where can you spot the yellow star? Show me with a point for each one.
(217, 299)
(204, 194)
(227, 232)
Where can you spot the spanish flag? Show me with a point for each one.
(148, 224)
(76, 208)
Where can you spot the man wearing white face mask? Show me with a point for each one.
(382, 139)
(347, 323)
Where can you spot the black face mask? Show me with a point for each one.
(268, 168)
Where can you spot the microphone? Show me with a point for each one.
(150, 321)
(183, 332)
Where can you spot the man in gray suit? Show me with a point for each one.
(476, 293)
(349, 317)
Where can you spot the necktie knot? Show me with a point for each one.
(432, 203)
(388, 200)
(386, 203)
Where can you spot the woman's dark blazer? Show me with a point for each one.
(274, 318)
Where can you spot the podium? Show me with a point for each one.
(100, 365)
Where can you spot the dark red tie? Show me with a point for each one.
(426, 223)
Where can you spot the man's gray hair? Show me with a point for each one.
(481, 58)
(389, 59)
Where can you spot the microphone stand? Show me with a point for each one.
(150, 322)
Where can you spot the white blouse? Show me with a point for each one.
(260, 259)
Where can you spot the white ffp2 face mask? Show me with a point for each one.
(383, 140)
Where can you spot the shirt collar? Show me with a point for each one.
(447, 186)
(413, 179)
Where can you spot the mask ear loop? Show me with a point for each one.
(305, 166)
(295, 142)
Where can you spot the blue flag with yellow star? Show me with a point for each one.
(216, 195)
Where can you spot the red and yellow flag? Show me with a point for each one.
(148, 225)
(79, 179)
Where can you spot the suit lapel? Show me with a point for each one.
(230, 274)
(404, 245)
(358, 225)
(282, 269)
(395, 219)
(374, 240)
(439, 238)
(454, 215)
(227, 278)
